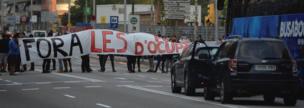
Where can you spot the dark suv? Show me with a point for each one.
(258, 66)
(189, 71)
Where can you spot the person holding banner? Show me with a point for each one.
(85, 64)
(131, 63)
(14, 55)
(47, 62)
(103, 61)
(4, 49)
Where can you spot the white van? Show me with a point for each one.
(39, 33)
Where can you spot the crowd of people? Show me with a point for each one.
(10, 58)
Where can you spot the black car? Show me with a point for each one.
(189, 70)
(257, 66)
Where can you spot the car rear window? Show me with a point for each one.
(263, 50)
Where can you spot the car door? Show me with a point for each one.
(180, 65)
(225, 53)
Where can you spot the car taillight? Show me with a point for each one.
(232, 65)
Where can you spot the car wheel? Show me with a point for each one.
(188, 90)
(290, 100)
(268, 98)
(208, 94)
(225, 93)
(174, 87)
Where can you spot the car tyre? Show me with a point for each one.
(225, 92)
(290, 100)
(174, 87)
(268, 98)
(208, 94)
(189, 91)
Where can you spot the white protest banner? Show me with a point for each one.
(96, 41)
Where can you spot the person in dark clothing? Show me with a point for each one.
(32, 68)
(4, 49)
(103, 60)
(46, 66)
(137, 60)
(54, 64)
(47, 62)
(14, 55)
(161, 59)
(67, 64)
(85, 64)
(131, 63)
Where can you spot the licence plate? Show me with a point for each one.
(265, 67)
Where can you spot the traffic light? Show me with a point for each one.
(210, 18)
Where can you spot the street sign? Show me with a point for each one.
(114, 22)
(176, 9)
(48, 17)
(134, 24)
(34, 19)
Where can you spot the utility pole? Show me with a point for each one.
(216, 20)
(125, 16)
(94, 13)
(31, 16)
(85, 14)
(69, 16)
(15, 14)
(152, 19)
(195, 22)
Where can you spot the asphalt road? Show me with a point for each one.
(106, 90)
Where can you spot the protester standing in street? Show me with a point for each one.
(151, 64)
(4, 49)
(131, 63)
(13, 55)
(32, 68)
(47, 62)
(67, 61)
(85, 64)
(137, 60)
(103, 60)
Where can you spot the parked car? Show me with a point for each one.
(189, 70)
(259, 66)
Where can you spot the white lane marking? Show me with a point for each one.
(103, 105)
(7, 80)
(14, 83)
(30, 89)
(43, 82)
(155, 81)
(154, 78)
(61, 88)
(78, 77)
(73, 81)
(120, 78)
(126, 81)
(93, 86)
(181, 96)
(3, 90)
(156, 86)
(69, 96)
(142, 76)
